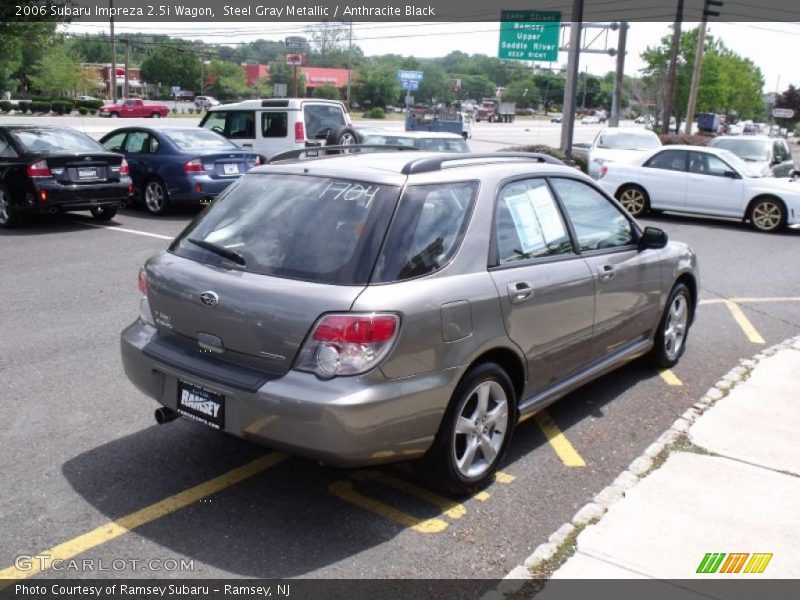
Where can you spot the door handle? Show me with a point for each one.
(247, 145)
(519, 291)
(606, 272)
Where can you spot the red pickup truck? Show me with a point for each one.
(134, 108)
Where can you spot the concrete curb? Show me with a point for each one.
(649, 460)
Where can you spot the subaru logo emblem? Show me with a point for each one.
(87, 158)
(209, 298)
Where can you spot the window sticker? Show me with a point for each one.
(536, 218)
(549, 220)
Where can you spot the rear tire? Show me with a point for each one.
(114, 115)
(673, 329)
(8, 214)
(634, 199)
(155, 115)
(104, 213)
(156, 198)
(474, 433)
(342, 136)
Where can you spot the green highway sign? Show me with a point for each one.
(529, 35)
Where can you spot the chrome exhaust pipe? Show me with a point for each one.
(165, 415)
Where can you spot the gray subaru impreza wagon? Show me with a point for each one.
(377, 307)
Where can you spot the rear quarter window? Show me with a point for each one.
(426, 231)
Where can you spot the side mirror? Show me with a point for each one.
(654, 238)
(732, 174)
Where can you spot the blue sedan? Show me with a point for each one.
(175, 165)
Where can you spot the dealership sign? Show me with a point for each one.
(409, 80)
(529, 35)
(295, 43)
(782, 113)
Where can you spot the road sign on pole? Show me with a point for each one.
(529, 35)
(295, 43)
(409, 80)
(782, 113)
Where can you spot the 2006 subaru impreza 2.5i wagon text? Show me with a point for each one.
(377, 307)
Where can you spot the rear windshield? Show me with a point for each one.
(316, 229)
(199, 139)
(628, 141)
(56, 141)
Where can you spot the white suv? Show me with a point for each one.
(279, 124)
(205, 102)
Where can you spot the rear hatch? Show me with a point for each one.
(260, 321)
(257, 270)
(70, 169)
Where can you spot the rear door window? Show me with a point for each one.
(320, 118)
(274, 124)
(141, 142)
(316, 229)
(426, 231)
(114, 143)
(669, 160)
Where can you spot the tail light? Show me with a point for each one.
(39, 169)
(603, 170)
(348, 344)
(194, 166)
(258, 160)
(124, 169)
(299, 133)
(145, 314)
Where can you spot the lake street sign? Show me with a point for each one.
(529, 35)
(295, 43)
(782, 113)
(409, 80)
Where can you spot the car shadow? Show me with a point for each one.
(45, 224)
(711, 223)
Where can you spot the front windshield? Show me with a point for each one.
(627, 141)
(752, 150)
(56, 141)
(748, 169)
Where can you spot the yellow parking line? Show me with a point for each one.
(568, 455)
(452, 509)
(749, 300)
(501, 477)
(744, 322)
(670, 377)
(123, 525)
(345, 491)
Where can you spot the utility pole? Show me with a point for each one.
(619, 77)
(126, 91)
(698, 62)
(113, 80)
(349, 64)
(669, 94)
(202, 67)
(585, 81)
(573, 58)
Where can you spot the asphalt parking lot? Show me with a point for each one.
(89, 475)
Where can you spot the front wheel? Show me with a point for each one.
(104, 213)
(156, 115)
(475, 432)
(8, 216)
(634, 199)
(114, 115)
(767, 215)
(670, 340)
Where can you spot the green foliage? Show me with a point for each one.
(82, 111)
(58, 71)
(228, 80)
(280, 72)
(5, 106)
(682, 139)
(172, 64)
(375, 113)
(376, 85)
(22, 44)
(327, 91)
(790, 98)
(522, 91)
(61, 107)
(578, 162)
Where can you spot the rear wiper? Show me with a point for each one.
(220, 250)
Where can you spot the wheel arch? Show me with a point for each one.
(690, 282)
(763, 196)
(511, 363)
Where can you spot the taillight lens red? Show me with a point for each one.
(194, 166)
(603, 170)
(124, 169)
(142, 282)
(348, 344)
(299, 133)
(39, 169)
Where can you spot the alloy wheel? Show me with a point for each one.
(633, 201)
(5, 208)
(481, 428)
(154, 197)
(675, 328)
(767, 215)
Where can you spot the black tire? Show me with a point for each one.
(155, 115)
(767, 214)
(104, 213)
(114, 115)
(665, 354)
(151, 192)
(8, 213)
(440, 465)
(634, 199)
(342, 136)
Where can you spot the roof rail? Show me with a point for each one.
(331, 151)
(435, 163)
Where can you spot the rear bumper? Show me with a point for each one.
(196, 189)
(52, 196)
(345, 422)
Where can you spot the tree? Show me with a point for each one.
(20, 41)
(327, 91)
(376, 85)
(59, 73)
(550, 87)
(327, 37)
(227, 80)
(521, 91)
(434, 85)
(172, 64)
(790, 98)
(280, 72)
(476, 87)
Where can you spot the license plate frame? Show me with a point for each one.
(230, 168)
(200, 404)
(87, 173)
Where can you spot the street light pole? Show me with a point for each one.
(619, 78)
(113, 80)
(568, 119)
(669, 95)
(698, 62)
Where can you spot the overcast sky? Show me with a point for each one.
(774, 47)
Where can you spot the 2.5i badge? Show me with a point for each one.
(200, 404)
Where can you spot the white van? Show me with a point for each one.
(279, 124)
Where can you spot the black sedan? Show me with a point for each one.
(57, 169)
(174, 165)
